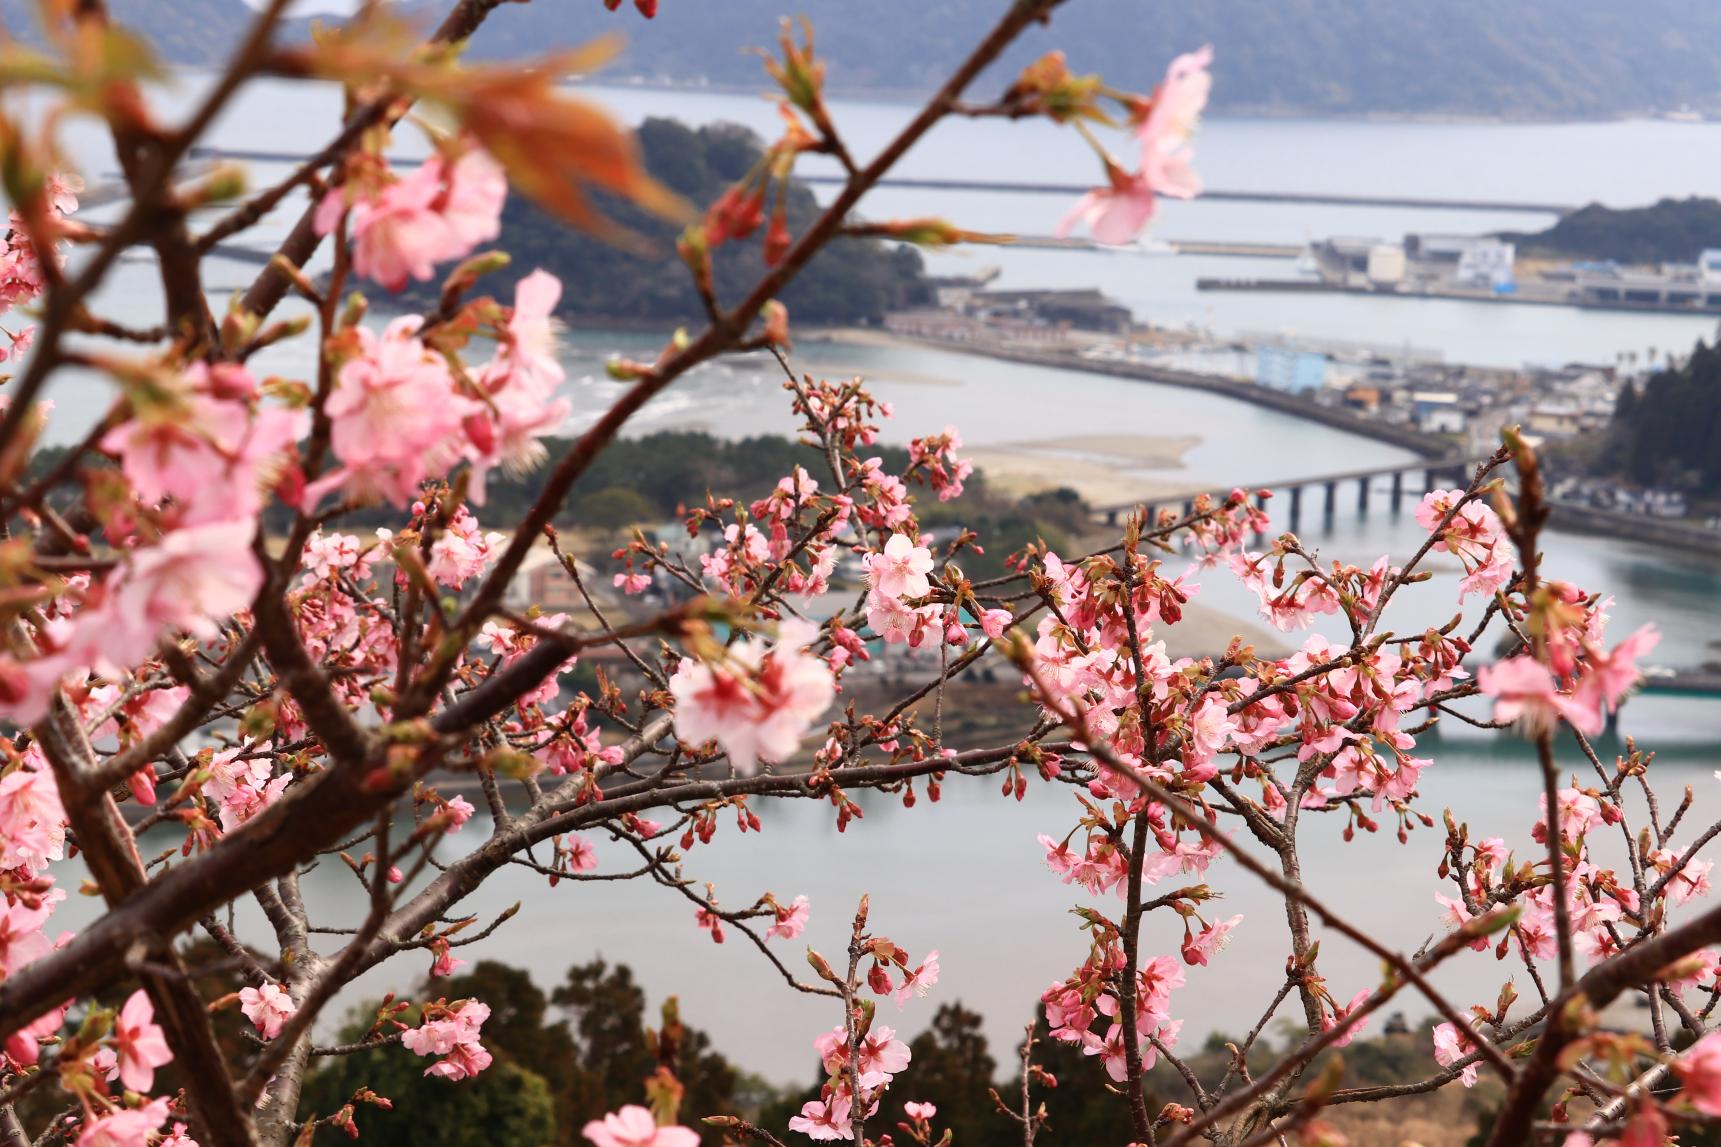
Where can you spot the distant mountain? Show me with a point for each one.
(1524, 58)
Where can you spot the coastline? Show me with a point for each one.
(1427, 446)
(1569, 517)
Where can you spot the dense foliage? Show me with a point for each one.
(1670, 433)
(1671, 231)
(568, 1057)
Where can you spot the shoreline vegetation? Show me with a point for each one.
(1668, 231)
(569, 1051)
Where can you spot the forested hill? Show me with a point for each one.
(1671, 231)
(854, 280)
(1527, 58)
(1669, 433)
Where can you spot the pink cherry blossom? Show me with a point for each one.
(139, 1043)
(919, 981)
(189, 581)
(267, 1007)
(1450, 1046)
(125, 1127)
(397, 234)
(919, 1111)
(204, 446)
(758, 703)
(1114, 214)
(1699, 1072)
(1474, 533)
(633, 1126)
(21, 936)
(1609, 674)
(396, 419)
(1166, 132)
(458, 810)
(451, 1032)
(1339, 1016)
(1212, 940)
(472, 204)
(463, 1061)
(825, 1119)
(462, 551)
(519, 387)
(790, 921)
(436, 213)
(900, 569)
(1524, 691)
(179, 1136)
(1579, 812)
(32, 820)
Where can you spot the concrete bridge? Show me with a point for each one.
(1423, 476)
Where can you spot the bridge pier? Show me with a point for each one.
(1332, 499)
(1362, 495)
(1296, 507)
(1428, 480)
(1189, 508)
(1111, 517)
(1397, 490)
(1150, 515)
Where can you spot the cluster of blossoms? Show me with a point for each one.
(403, 227)
(200, 449)
(21, 274)
(1093, 995)
(861, 1059)
(400, 416)
(936, 454)
(1466, 528)
(1097, 667)
(450, 1031)
(198, 452)
(757, 701)
(1579, 680)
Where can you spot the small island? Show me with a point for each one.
(852, 282)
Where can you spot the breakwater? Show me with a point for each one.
(1241, 389)
(1673, 533)
(1528, 294)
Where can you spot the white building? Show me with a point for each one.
(1386, 264)
(1487, 263)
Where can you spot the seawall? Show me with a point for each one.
(1426, 445)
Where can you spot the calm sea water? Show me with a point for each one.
(966, 877)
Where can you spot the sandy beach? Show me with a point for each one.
(1105, 469)
(1205, 632)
